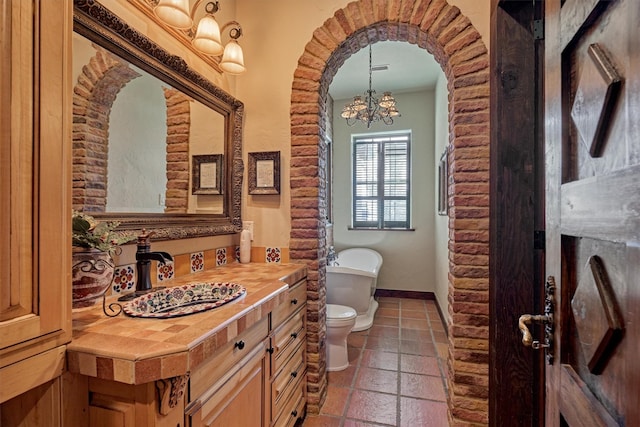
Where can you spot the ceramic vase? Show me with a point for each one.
(91, 273)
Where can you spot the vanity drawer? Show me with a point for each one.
(293, 408)
(225, 358)
(236, 399)
(297, 299)
(287, 338)
(288, 380)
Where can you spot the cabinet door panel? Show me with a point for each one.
(35, 306)
(238, 399)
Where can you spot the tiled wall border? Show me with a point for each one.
(212, 258)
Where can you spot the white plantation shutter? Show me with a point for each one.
(381, 181)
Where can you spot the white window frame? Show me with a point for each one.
(379, 223)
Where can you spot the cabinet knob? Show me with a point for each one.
(294, 335)
(239, 345)
(294, 374)
(294, 413)
(294, 301)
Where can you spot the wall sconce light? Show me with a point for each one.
(205, 37)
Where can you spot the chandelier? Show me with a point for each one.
(370, 109)
(206, 37)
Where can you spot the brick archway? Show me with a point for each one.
(451, 38)
(98, 84)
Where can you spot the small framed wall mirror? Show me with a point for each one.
(443, 178)
(155, 144)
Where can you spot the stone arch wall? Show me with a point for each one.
(178, 128)
(451, 38)
(98, 85)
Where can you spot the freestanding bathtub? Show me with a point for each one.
(352, 281)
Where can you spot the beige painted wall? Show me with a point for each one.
(441, 226)
(409, 256)
(275, 34)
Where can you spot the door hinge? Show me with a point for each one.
(538, 239)
(538, 29)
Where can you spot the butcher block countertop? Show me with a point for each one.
(135, 350)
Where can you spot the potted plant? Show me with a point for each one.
(94, 244)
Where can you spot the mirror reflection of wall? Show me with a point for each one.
(136, 173)
(134, 136)
(202, 137)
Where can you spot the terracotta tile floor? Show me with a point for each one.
(396, 371)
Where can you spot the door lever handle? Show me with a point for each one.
(545, 319)
(527, 319)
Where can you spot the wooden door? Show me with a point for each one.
(592, 137)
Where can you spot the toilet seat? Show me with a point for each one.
(339, 315)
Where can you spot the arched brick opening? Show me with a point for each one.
(451, 38)
(98, 85)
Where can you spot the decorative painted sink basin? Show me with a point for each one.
(183, 300)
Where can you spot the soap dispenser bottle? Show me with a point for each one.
(245, 246)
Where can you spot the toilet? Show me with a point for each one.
(340, 322)
(352, 277)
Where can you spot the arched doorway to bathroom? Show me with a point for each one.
(451, 38)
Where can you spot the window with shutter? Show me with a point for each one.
(381, 181)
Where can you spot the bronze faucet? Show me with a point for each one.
(144, 256)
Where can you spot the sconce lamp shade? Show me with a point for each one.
(207, 38)
(233, 59)
(174, 13)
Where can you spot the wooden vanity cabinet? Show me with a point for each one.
(257, 379)
(262, 384)
(35, 205)
(288, 368)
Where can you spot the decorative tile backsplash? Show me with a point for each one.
(273, 255)
(125, 275)
(221, 256)
(197, 262)
(124, 278)
(165, 271)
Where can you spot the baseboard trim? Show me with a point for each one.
(394, 293)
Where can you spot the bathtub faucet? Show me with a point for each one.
(332, 257)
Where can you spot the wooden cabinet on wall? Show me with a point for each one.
(35, 180)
